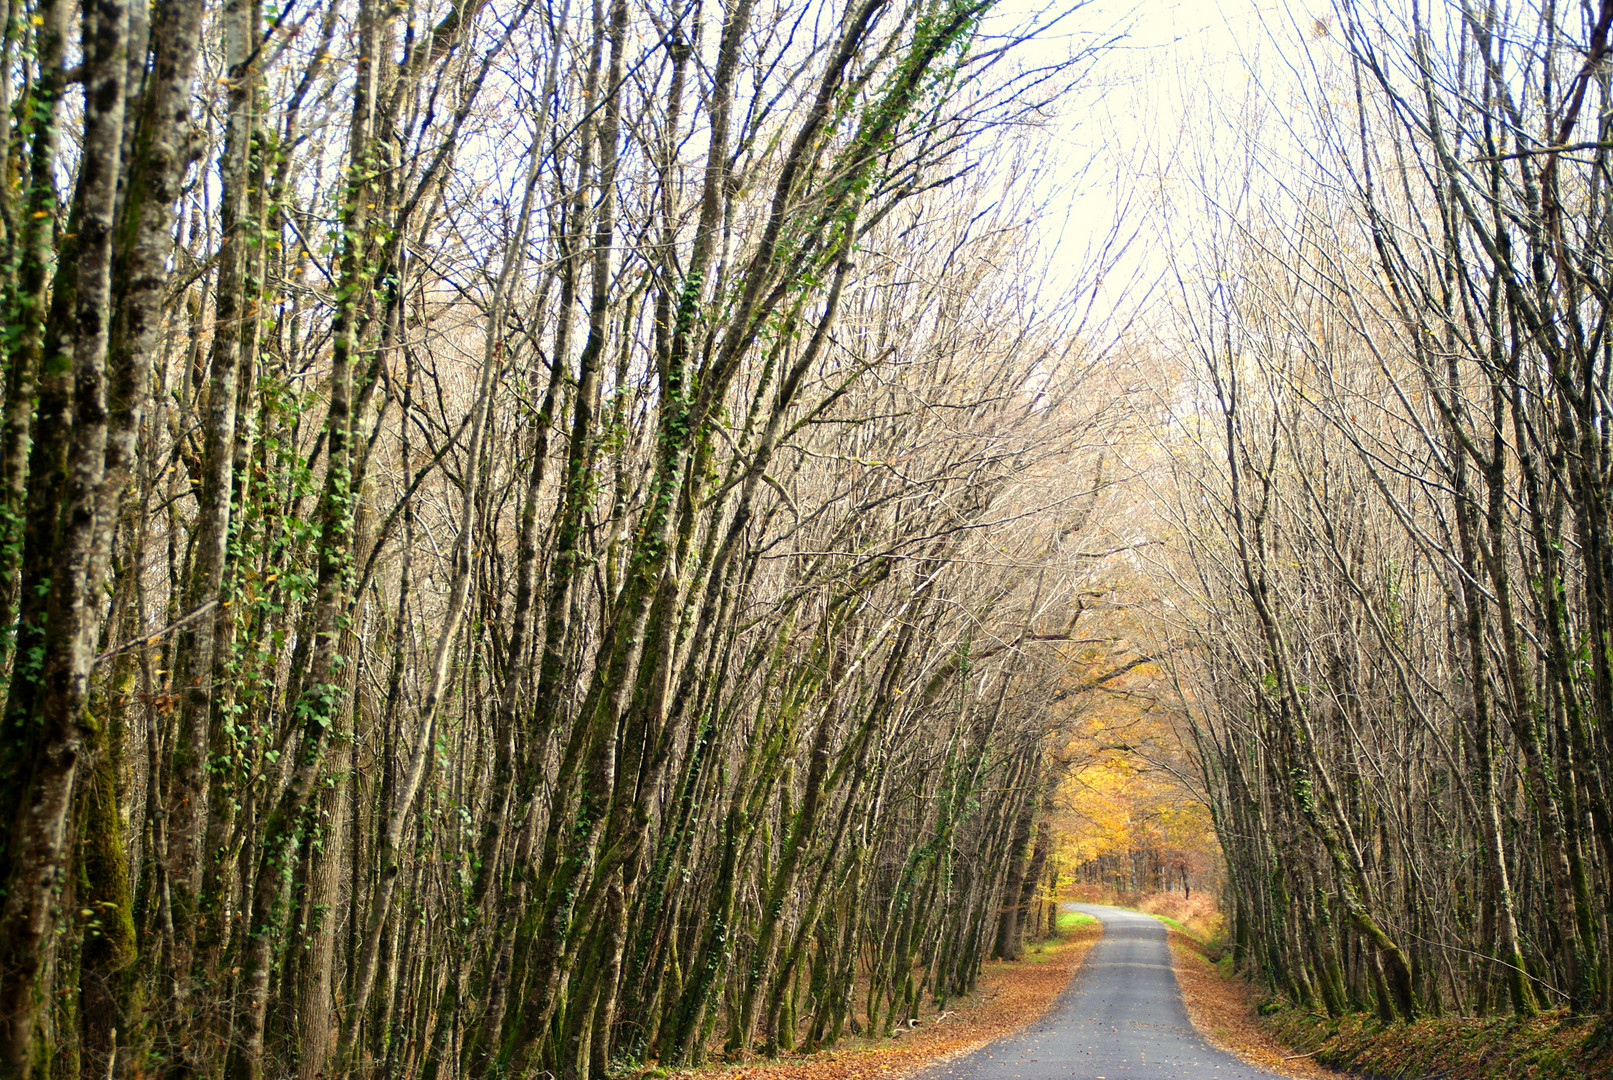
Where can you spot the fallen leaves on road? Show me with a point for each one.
(1009, 996)
(1223, 1010)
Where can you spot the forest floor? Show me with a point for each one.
(1008, 996)
(1551, 1046)
(1239, 1017)
(1225, 1009)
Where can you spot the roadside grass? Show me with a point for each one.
(1196, 916)
(1068, 921)
(1174, 925)
(1068, 925)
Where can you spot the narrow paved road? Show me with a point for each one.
(1120, 1019)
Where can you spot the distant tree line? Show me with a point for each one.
(1394, 474)
(516, 526)
(1137, 871)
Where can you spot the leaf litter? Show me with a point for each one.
(1224, 1010)
(1008, 996)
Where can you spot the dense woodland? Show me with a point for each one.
(536, 537)
(525, 528)
(1390, 464)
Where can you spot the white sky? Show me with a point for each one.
(1178, 74)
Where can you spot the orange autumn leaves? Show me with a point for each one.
(1127, 801)
(1118, 805)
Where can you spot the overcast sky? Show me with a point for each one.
(1178, 72)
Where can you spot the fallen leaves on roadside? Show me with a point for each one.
(1008, 996)
(1223, 1011)
(1551, 1046)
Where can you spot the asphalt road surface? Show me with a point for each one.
(1121, 1018)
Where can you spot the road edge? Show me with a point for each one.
(1074, 946)
(910, 1054)
(1223, 1012)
